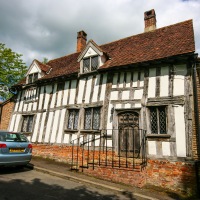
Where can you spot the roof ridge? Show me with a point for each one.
(63, 57)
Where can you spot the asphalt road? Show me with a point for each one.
(26, 184)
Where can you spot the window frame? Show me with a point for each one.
(33, 77)
(28, 123)
(92, 118)
(90, 69)
(158, 126)
(73, 119)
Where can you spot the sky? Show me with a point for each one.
(40, 29)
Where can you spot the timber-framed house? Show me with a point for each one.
(133, 89)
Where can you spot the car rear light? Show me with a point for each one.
(30, 146)
(3, 146)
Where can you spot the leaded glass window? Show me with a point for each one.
(86, 65)
(60, 86)
(92, 118)
(73, 119)
(27, 124)
(94, 63)
(32, 77)
(90, 64)
(158, 120)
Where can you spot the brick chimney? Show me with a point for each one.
(81, 41)
(150, 20)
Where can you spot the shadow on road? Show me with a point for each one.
(19, 189)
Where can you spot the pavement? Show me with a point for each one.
(63, 170)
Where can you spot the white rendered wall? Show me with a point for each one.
(103, 88)
(55, 127)
(35, 129)
(34, 69)
(11, 128)
(180, 131)
(41, 130)
(166, 148)
(180, 72)
(61, 126)
(48, 127)
(152, 147)
(65, 94)
(164, 82)
(152, 83)
(72, 92)
(81, 90)
(90, 52)
(88, 89)
(17, 120)
(96, 89)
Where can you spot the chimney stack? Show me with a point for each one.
(150, 20)
(81, 41)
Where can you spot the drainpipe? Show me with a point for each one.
(196, 113)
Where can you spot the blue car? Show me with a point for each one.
(15, 149)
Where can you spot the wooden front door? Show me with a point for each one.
(129, 138)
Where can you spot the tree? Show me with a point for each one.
(12, 69)
(45, 60)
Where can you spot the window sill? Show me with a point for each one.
(30, 101)
(90, 131)
(70, 131)
(88, 73)
(158, 136)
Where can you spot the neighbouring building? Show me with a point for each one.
(6, 109)
(134, 96)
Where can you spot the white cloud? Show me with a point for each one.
(48, 28)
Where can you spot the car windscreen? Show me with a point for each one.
(12, 137)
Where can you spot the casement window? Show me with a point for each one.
(30, 94)
(90, 64)
(73, 119)
(92, 118)
(158, 120)
(60, 86)
(27, 124)
(32, 77)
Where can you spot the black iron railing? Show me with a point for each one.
(116, 148)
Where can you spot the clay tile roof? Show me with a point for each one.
(43, 67)
(161, 43)
(63, 66)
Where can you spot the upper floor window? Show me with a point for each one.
(158, 120)
(90, 64)
(92, 118)
(30, 94)
(32, 77)
(60, 86)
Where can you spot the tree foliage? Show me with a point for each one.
(12, 69)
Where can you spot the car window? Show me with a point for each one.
(12, 137)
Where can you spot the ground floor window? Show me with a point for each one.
(73, 119)
(158, 120)
(27, 124)
(92, 118)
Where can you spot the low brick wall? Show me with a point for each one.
(177, 176)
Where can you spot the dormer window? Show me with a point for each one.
(32, 77)
(90, 64)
